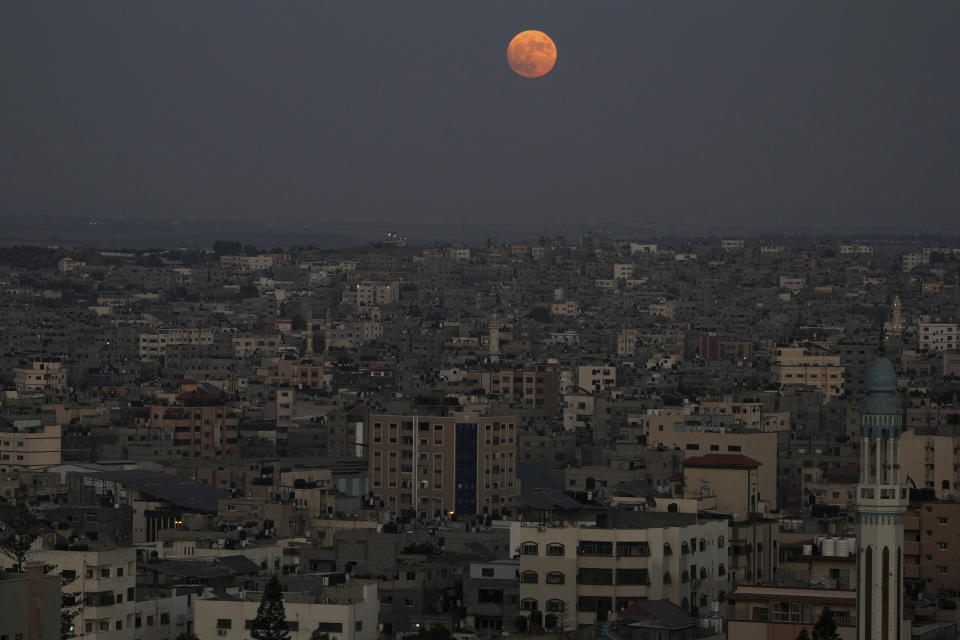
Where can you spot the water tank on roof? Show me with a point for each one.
(808, 549)
(829, 547)
(843, 547)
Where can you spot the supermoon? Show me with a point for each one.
(531, 54)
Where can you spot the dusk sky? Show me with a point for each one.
(779, 114)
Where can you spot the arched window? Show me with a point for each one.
(722, 596)
(528, 548)
(720, 542)
(667, 551)
(555, 605)
(721, 570)
(555, 549)
(591, 484)
(529, 577)
(703, 544)
(555, 577)
(528, 604)
(666, 577)
(550, 621)
(672, 507)
(703, 573)
(685, 576)
(684, 548)
(685, 604)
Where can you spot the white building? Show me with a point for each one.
(570, 573)
(937, 336)
(347, 612)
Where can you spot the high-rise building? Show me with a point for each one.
(463, 464)
(881, 504)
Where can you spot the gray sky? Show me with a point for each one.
(780, 114)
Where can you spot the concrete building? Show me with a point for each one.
(803, 366)
(731, 480)
(348, 612)
(779, 613)
(106, 581)
(463, 464)
(41, 376)
(572, 576)
(491, 595)
(31, 604)
(29, 444)
(880, 507)
(937, 336)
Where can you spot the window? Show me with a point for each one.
(119, 625)
(596, 548)
(528, 548)
(667, 551)
(685, 576)
(943, 546)
(104, 625)
(590, 575)
(555, 605)
(684, 548)
(105, 572)
(528, 604)
(486, 572)
(224, 623)
(164, 618)
(529, 577)
(358, 625)
(666, 577)
(119, 572)
(555, 549)
(942, 521)
(720, 542)
(786, 612)
(555, 577)
(633, 549)
(721, 570)
(633, 576)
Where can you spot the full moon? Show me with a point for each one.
(531, 54)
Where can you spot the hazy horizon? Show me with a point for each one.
(743, 117)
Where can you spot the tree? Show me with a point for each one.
(826, 627)
(187, 636)
(319, 635)
(20, 533)
(803, 634)
(68, 612)
(271, 620)
(540, 314)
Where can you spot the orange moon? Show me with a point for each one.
(531, 54)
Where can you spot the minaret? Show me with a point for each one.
(328, 326)
(896, 317)
(493, 342)
(308, 350)
(880, 505)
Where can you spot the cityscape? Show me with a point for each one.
(604, 437)
(433, 320)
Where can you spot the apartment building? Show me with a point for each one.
(937, 336)
(799, 365)
(713, 348)
(491, 595)
(31, 604)
(931, 563)
(196, 431)
(29, 444)
(760, 446)
(596, 377)
(779, 613)
(731, 480)
(464, 464)
(537, 387)
(572, 576)
(106, 581)
(348, 612)
(41, 376)
(153, 346)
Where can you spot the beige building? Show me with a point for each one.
(596, 377)
(154, 345)
(758, 445)
(779, 613)
(29, 444)
(463, 464)
(733, 480)
(570, 573)
(41, 376)
(31, 604)
(799, 365)
(106, 579)
(348, 612)
(938, 336)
